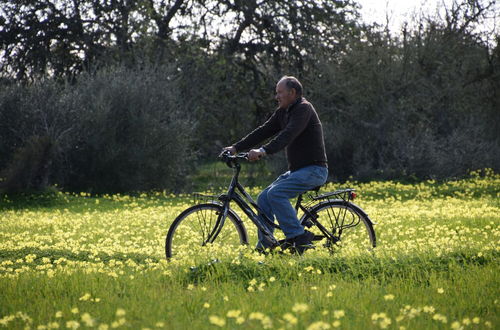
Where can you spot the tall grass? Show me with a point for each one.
(72, 260)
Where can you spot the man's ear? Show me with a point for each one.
(293, 91)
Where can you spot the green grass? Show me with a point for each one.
(150, 298)
(98, 261)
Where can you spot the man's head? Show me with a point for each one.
(288, 89)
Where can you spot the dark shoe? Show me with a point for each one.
(303, 242)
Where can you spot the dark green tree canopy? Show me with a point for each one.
(120, 95)
(63, 37)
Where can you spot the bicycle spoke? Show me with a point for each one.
(195, 226)
(344, 223)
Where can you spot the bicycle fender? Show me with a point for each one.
(240, 223)
(360, 211)
(238, 219)
(236, 216)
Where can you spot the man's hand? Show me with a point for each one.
(231, 149)
(255, 154)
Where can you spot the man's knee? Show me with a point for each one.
(275, 193)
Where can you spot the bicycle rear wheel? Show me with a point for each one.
(192, 229)
(345, 221)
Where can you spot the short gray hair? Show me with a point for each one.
(292, 82)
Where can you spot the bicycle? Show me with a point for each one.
(330, 216)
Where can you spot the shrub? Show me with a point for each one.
(119, 129)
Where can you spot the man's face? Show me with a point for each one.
(285, 96)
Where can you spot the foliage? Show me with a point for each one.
(395, 108)
(419, 104)
(115, 130)
(66, 36)
(132, 133)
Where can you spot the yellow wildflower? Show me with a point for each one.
(256, 316)
(338, 314)
(120, 312)
(320, 325)
(300, 308)
(234, 313)
(439, 317)
(216, 320)
(290, 318)
(309, 268)
(85, 297)
(72, 324)
(88, 320)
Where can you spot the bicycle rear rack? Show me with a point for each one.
(344, 194)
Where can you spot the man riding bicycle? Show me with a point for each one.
(295, 127)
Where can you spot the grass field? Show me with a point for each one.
(75, 260)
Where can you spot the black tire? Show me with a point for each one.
(192, 227)
(356, 228)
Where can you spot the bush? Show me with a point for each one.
(33, 131)
(131, 133)
(117, 130)
(394, 110)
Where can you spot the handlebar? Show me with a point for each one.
(232, 160)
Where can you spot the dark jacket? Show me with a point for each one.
(297, 128)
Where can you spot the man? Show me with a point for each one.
(296, 127)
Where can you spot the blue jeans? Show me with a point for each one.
(274, 201)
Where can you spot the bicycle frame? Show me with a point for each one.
(237, 193)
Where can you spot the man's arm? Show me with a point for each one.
(265, 131)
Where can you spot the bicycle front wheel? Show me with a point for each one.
(345, 222)
(195, 229)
